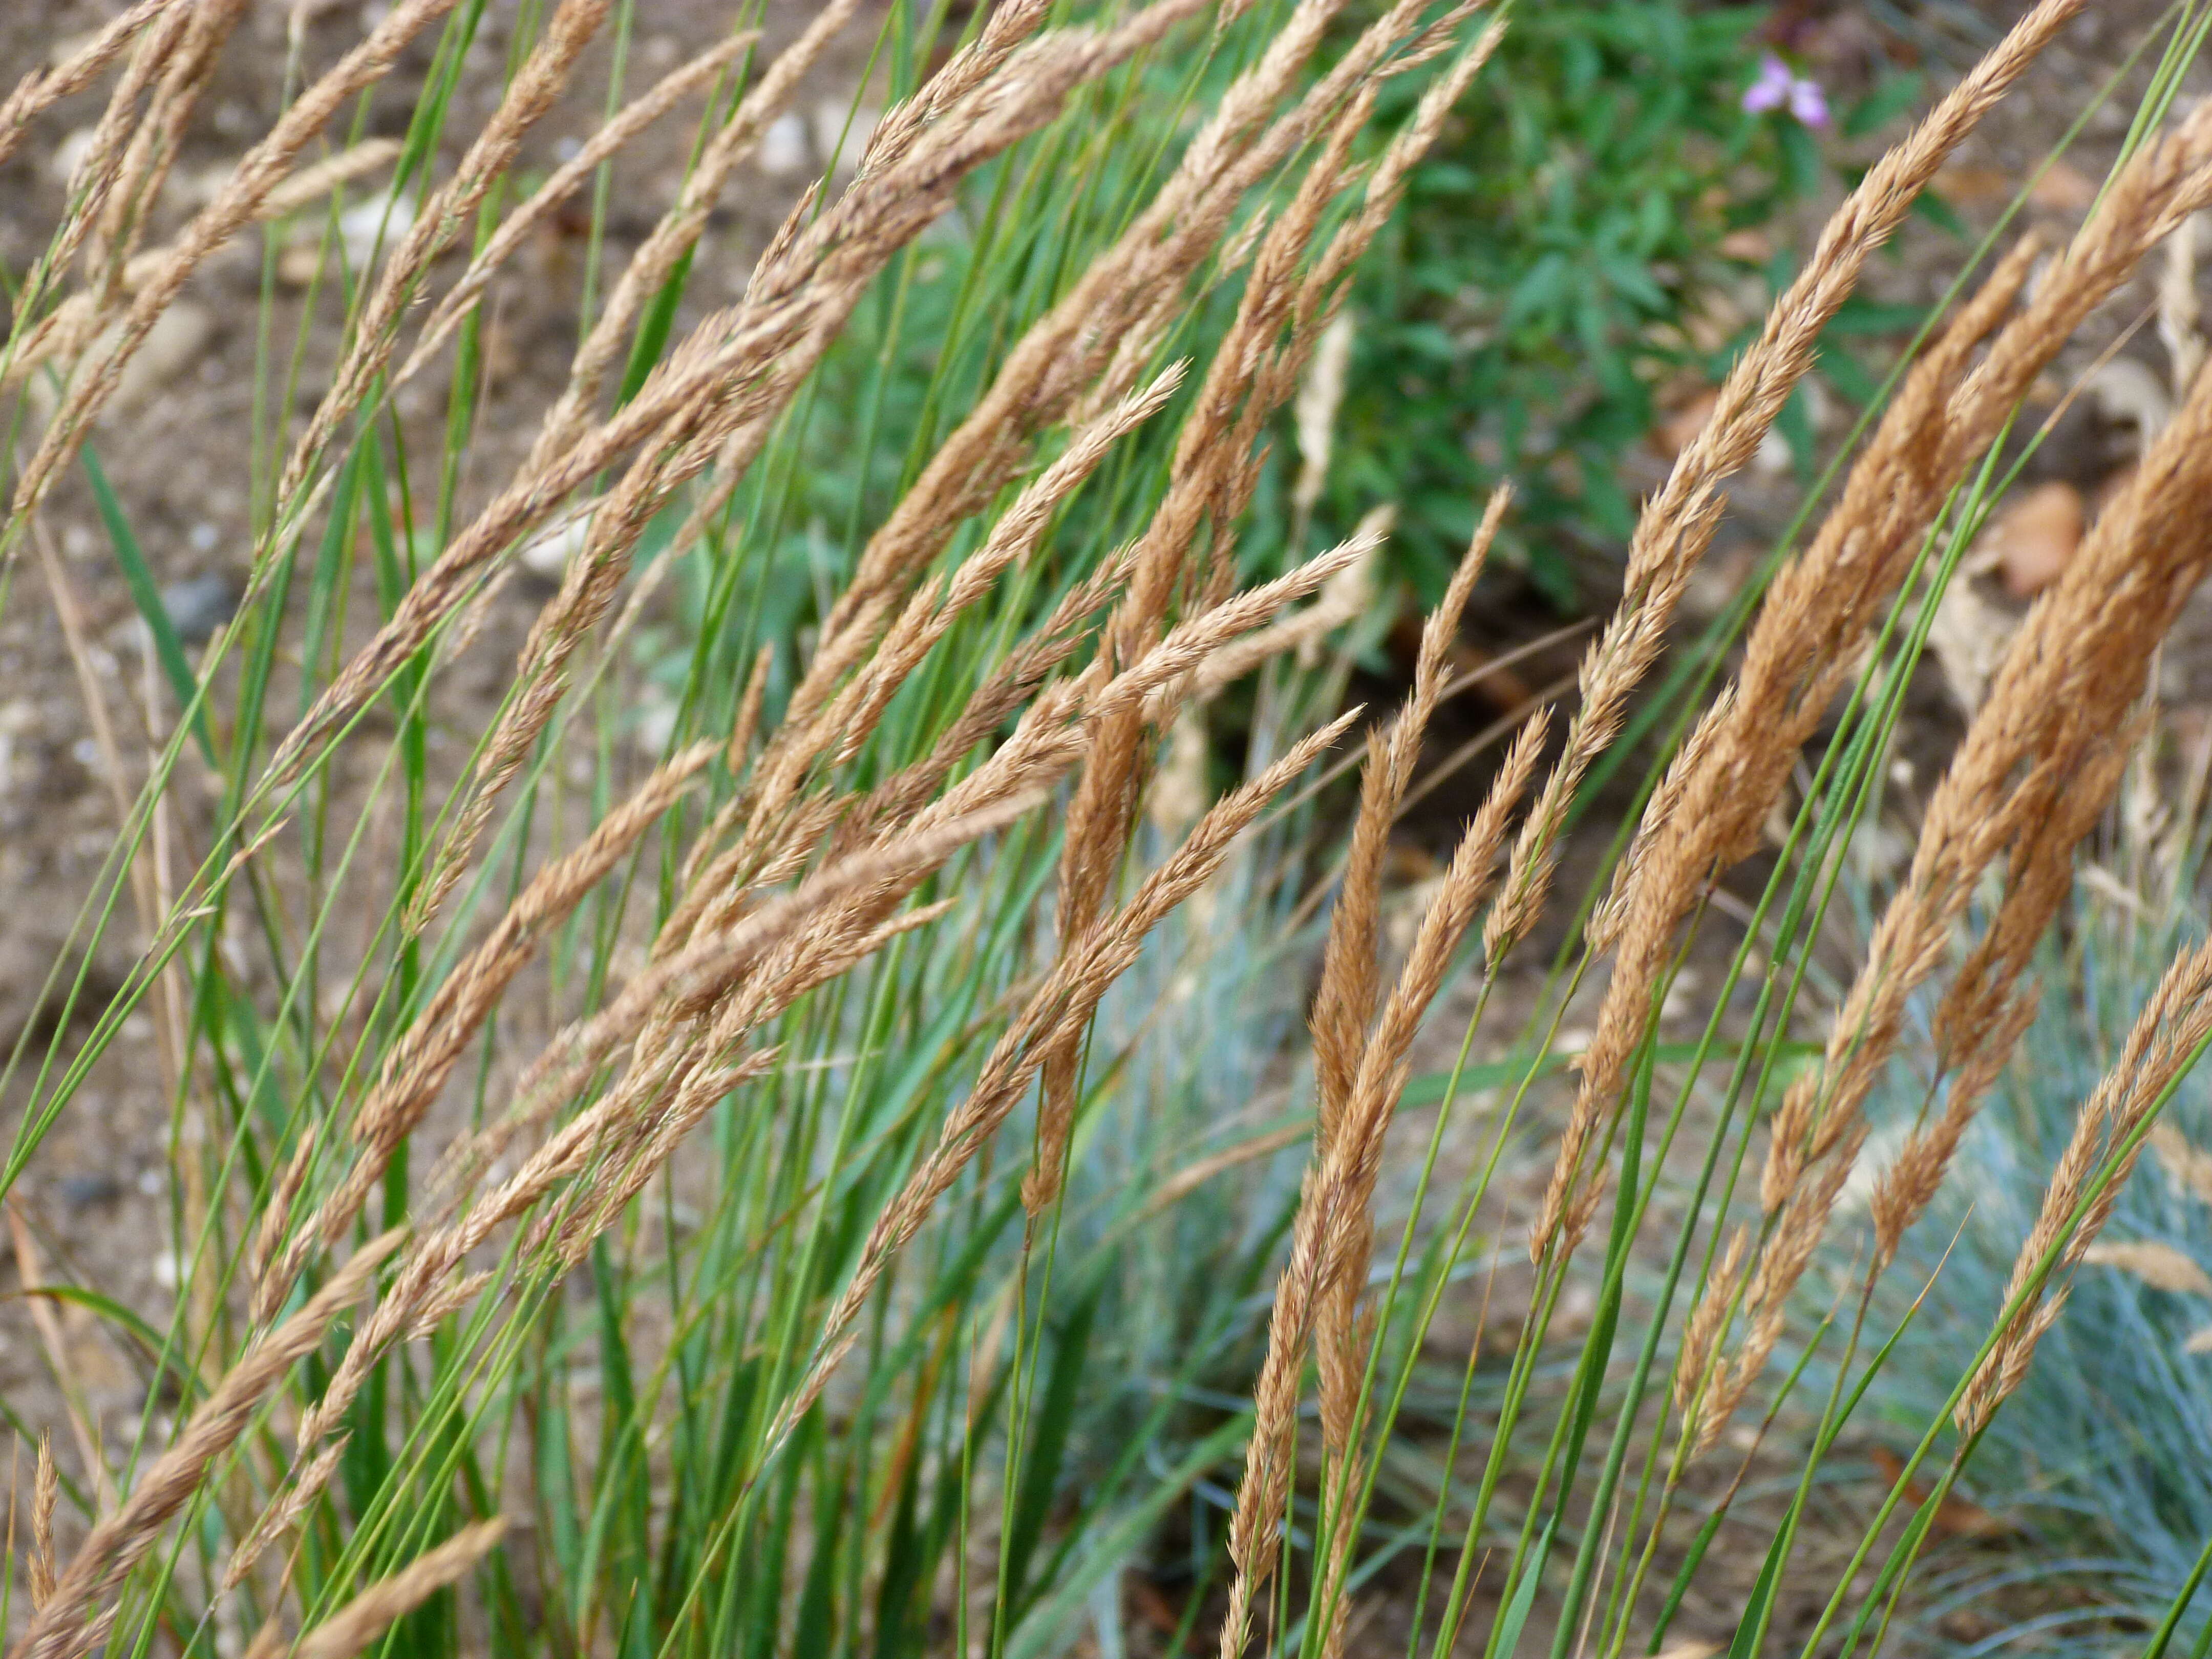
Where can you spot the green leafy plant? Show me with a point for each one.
(1550, 269)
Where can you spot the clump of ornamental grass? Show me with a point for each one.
(808, 935)
(2099, 1518)
(761, 1189)
(1531, 334)
(2037, 766)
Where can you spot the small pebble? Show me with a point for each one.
(64, 159)
(546, 555)
(783, 150)
(844, 131)
(172, 345)
(198, 605)
(375, 227)
(81, 1191)
(2130, 393)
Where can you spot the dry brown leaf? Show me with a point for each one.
(1971, 185)
(1955, 1517)
(2063, 188)
(2033, 538)
(1751, 245)
(2160, 1266)
(1673, 433)
(1150, 1606)
(1714, 321)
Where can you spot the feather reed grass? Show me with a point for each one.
(811, 1208)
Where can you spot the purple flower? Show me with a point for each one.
(1808, 103)
(1778, 88)
(1771, 89)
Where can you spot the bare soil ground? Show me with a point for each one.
(92, 1209)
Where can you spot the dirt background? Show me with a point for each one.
(92, 1208)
